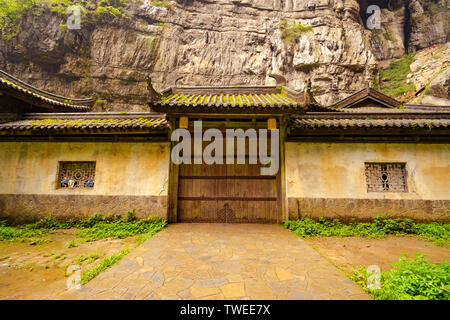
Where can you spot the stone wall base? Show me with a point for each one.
(366, 209)
(22, 208)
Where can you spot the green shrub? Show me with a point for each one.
(20, 234)
(46, 223)
(380, 227)
(120, 229)
(395, 226)
(411, 278)
(92, 228)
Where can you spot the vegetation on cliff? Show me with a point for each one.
(290, 32)
(93, 11)
(393, 78)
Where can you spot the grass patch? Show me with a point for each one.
(95, 227)
(121, 228)
(380, 227)
(107, 262)
(411, 278)
(394, 77)
(21, 234)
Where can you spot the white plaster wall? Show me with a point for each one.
(336, 170)
(122, 168)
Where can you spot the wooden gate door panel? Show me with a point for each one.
(227, 193)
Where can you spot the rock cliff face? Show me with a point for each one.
(217, 42)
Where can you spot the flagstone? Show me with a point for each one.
(283, 274)
(233, 290)
(203, 292)
(234, 278)
(140, 261)
(221, 261)
(259, 290)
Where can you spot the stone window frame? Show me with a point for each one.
(59, 175)
(382, 189)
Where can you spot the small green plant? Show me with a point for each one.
(49, 254)
(88, 258)
(72, 244)
(107, 262)
(411, 278)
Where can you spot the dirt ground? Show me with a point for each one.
(39, 271)
(349, 253)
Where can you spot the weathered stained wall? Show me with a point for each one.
(327, 179)
(128, 176)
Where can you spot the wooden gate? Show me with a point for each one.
(228, 193)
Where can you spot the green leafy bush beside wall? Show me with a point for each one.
(93, 228)
(411, 278)
(380, 227)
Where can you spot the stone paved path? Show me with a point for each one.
(221, 261)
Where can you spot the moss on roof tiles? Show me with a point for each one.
(214, 100)
(89, 122)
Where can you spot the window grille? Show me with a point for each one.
(76, 174)
(386, 177)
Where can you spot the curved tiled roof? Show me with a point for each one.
(238, 99)
(372, 123)
(87, 121)
(42, 98)
(268, 99)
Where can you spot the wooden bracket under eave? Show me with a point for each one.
(184, 122)
(271, 124)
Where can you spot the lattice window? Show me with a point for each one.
(386, 177)
(76, 174)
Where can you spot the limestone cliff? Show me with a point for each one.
(215, 42)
